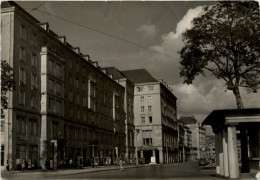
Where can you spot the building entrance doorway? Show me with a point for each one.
(147, 156)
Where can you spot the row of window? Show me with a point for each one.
(24, 37)
(22, 78)
(22, 57)
(150, 119)
(34, 99)
(55, 105)
(55, 69)
(55, 86)
(141, 88)
(28, 128)
(149, 98)
(149, 109)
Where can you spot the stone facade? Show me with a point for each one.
(155, 121)
(64, 105)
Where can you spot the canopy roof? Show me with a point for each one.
(217, 118)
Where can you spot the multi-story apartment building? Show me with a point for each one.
(155, 118)
(198, 135)
(129, 110)
(185, 137)
(64, 105)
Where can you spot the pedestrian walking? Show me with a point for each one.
(121, 165)
(23, 164)
(70, 163)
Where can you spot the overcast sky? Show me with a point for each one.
(155, 25)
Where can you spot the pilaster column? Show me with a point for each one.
(225, 153)
(232, 152)
(217, 153)
(221, 155)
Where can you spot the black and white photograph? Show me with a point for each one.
(130, 90)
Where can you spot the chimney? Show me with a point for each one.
(104, 71)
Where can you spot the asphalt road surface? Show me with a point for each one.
(189, 170)
(178, 171)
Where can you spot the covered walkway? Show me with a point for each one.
(236, 129)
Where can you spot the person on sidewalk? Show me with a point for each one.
(121, 165)
(23, 164)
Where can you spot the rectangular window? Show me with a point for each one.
(70, 62)
(139, 89)
(33, 101)
(142, 108)
(78, 114)
(84, 71)
(71, 112)
(22, 54)
(22, 76)
(22, 32)
(150, 119)
(77, 67)
(20, 125)
(51, 67)
(147, 141)
(149, 108)
(142, 98)
(71, 79)
(143, 120)
(34, 60)
(21, 97)
(149, 99)
(34, 82)
(84, 116)
(58, 88)
(33, 127)
(150, 88)
(58, 106)
(2, 126)
(51, 85)
(54, 129)
(84, 101)
(77, 83)
(84, 86)
(58, 71)
(51, 104)
(70, 96)
(77, 99)
(34, 40)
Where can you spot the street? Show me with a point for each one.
(189, 170)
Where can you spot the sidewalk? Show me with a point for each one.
(63, 172)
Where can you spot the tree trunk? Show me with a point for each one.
(243, 135)
(238, 98)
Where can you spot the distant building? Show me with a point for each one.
(155, 119)
(129, 110)
(198, 133)
(64, 105)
